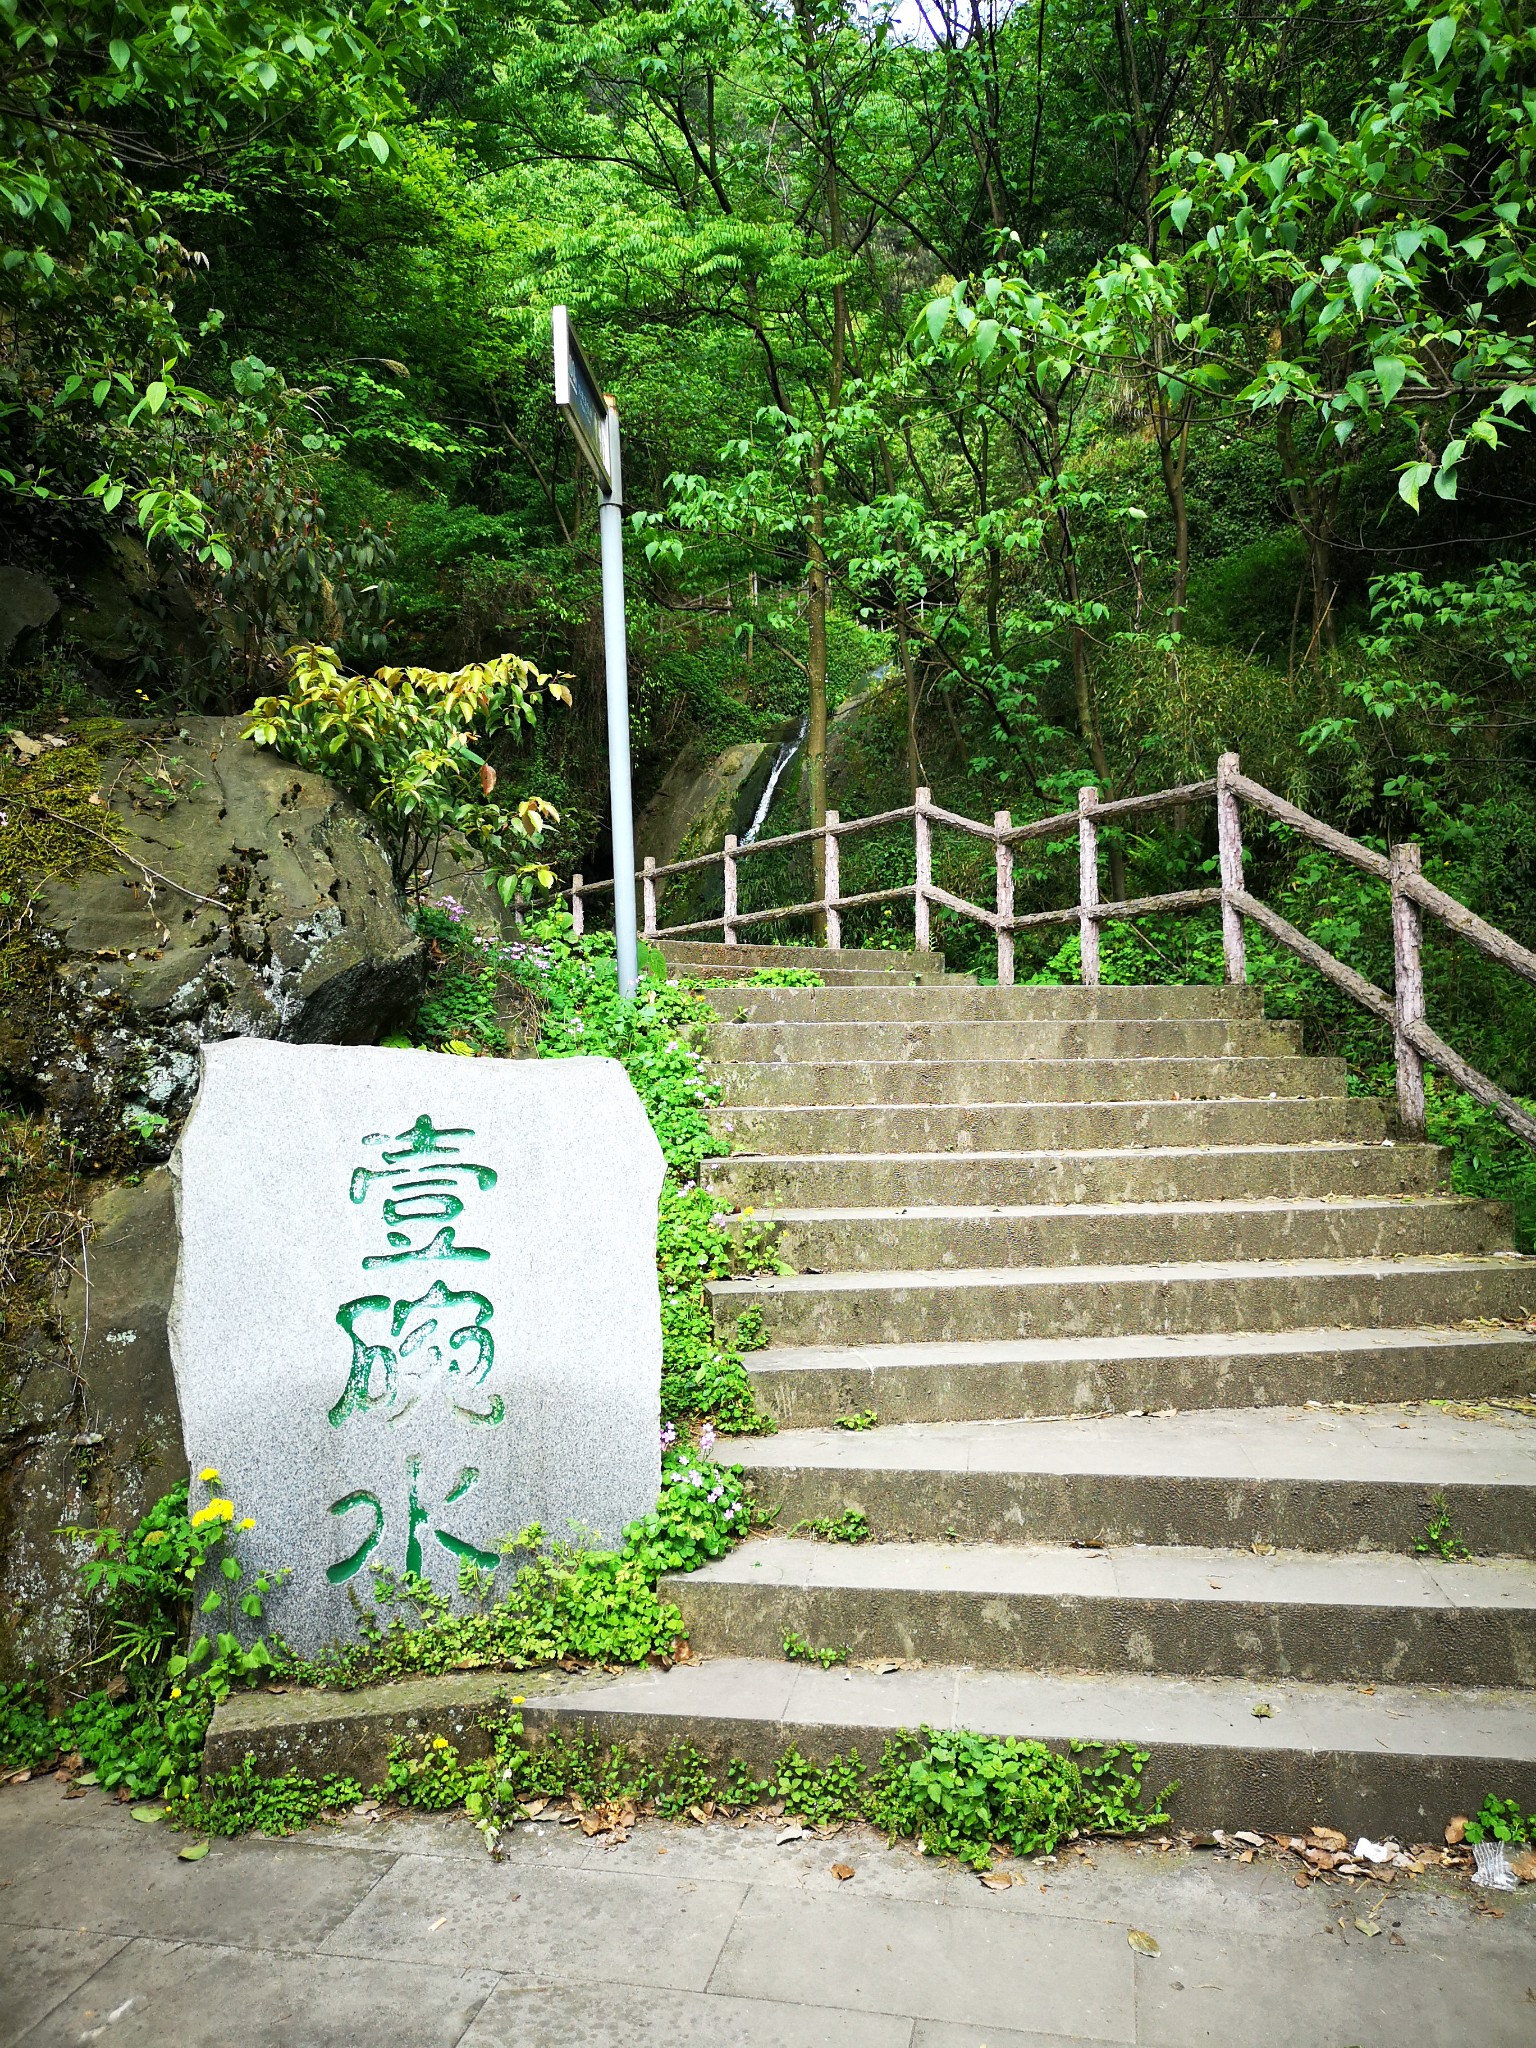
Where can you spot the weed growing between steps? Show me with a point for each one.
(767, 977)
(563, 994)
(959, 1793)
(825, 1655)
(1501, 1820)
(851, 1526)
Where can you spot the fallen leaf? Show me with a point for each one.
(28, 749)
(1523, 1863)
(535, 1807)
(1143, 1944)
(1253, 1841)
(698, 1815)
(996, 1880)
(842, 1872)
(149, 1814)
(1365, 1927)
(1263, 1549)
(1330, 1838)
(1263, 1711)
(795, 1833)
(194, 1852)
(1457, 1830)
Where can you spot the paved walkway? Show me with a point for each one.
(400, 1931)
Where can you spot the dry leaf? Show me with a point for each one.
(1366, 1927)
(487, 778)
(842, 1872)
(1263, 1711)
(1143, 1944)
(793, 1833)
(1330, 1838)
(996, 1880)
(1243, 1835)
(1523, 1864)
(1457, 1831)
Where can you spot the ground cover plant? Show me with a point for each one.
(959, 1793)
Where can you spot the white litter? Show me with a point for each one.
(1493, 1872)
(1367, 1851)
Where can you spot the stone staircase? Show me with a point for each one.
(1164, 1352)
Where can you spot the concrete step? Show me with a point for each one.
(1398, 1760)
(991, 1039)
(833, 977)
(869, 958)
(926, 1002)
(960, 1127)
(862, 1082)
(1169, 1173)
(1308, 1479)
(810, 1386)
(1134, 1233)
(1191, 1611)
(936, 1307)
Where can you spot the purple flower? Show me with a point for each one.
(668, 1436)
(716, 1494)
(707, 1438)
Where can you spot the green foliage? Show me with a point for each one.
(851, 1526)
(750, 1333)
(864, 1418)
(161, 1590)
(402, 744)
(1440, 1537)
(960, 1793)
(799, 1651)
(1501, 1820)
(243, 1801)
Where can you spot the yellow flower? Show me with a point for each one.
(519, 1701)
(175, 1692)
(749, 1211)
(439, 1742)
(249, 1522)
(208, 1474)
(217, 1510)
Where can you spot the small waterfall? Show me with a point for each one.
(786, 754)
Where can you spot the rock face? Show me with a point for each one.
(27, 608)
(416, 1309)
(252, 901)
(92, 1434)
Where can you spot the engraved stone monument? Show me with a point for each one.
(415, 1310)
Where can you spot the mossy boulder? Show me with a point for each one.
(220, 892)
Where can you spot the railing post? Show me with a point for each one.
(832, 884)
(923, 834)
(1088, 884)
(1229, 845)
(728, 877)
(648, 884)
(578, 906)
(1001, 823)
(1408, 988)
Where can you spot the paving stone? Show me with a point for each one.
(40, 1967)
(135, 1884)
(620, 2016)
(541, 1924)
(969, 1964)
(155, 1994)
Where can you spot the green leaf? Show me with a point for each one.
(156, 395)
(1442, 34)
(194, 1852)
(987, 332)
(1412, 481)
(1390, 372)
(120, 53)
(1363, 280)
(1180, 211)
(149, 1814)
(937, 317)
(378, 144)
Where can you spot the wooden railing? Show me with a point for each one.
(1414, 1041)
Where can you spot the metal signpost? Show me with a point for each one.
(594, 421)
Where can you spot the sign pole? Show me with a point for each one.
(610, 521)
(594, 421)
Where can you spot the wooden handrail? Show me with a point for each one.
(1414, 1040)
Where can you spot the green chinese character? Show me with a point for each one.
(401, 1351)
